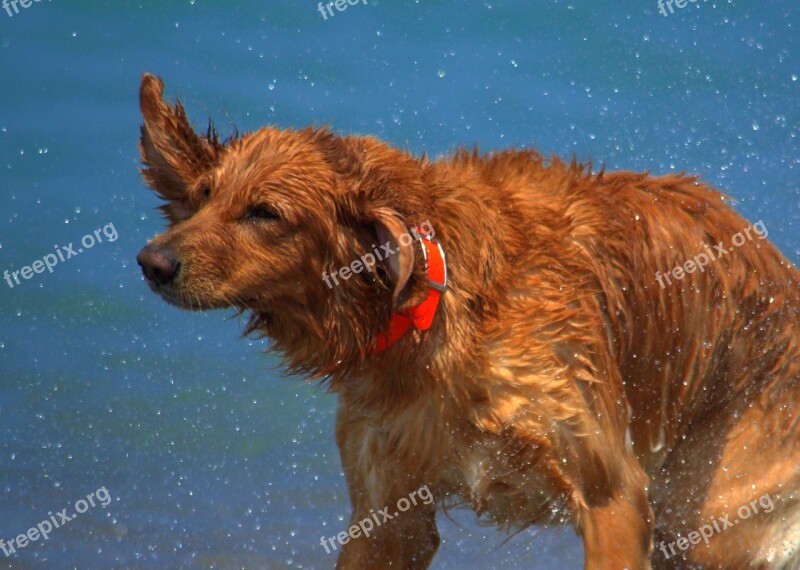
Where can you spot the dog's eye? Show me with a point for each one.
(259, 213)
(205, 191)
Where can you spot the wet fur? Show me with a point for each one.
(559, 383)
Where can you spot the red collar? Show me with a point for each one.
(420, 316)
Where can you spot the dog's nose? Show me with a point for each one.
(158, 264)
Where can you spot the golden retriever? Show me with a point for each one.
(616, 351)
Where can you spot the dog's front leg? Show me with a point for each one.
(400, 533)
(408, 542)
(617, 528)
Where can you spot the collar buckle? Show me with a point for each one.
(441, 285)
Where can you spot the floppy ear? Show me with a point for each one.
(392, 232)
(172, 153)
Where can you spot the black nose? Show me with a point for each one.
(158, 264)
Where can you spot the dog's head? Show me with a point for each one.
(257, 223)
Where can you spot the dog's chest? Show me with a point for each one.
(500, 491)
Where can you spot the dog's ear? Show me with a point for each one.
(172, 153)
(392, 232)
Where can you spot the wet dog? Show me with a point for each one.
(547, 344)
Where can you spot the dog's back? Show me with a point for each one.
(700, 313)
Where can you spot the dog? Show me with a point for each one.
(544, 343)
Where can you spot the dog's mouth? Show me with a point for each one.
(193, 302)
(171, 296)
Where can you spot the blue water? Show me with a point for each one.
(212, 459)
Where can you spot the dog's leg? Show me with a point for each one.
(392, 534)
(617, 530)
(730, 492)
(409, 542)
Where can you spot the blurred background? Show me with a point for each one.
(211, 457)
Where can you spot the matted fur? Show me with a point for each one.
(559, 382)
